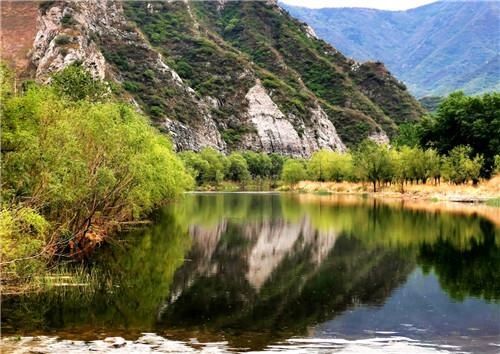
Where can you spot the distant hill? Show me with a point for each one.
(435, 49)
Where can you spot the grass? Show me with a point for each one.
(485, 191)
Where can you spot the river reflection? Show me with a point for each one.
(256, 270)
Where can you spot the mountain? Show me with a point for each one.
(435, 49)
(231, 75)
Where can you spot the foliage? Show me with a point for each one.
(496, 165)
(208, 166)
(23, 234)
(237, 169)
(466, 120)
(83, 166)
(372, 162)
(260, 165)
(459, 167)
(62, 40)
(75, 84)
(326, 165)
(408, 135)
(293, 171)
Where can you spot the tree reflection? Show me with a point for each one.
(263, 267)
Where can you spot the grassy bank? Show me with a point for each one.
(485, 191)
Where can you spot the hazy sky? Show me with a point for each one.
(376, 4)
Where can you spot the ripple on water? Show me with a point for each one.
(152, 343)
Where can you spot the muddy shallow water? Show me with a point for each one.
(227, 272)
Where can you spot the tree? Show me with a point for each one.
(237, 168)
(497, 165)
(277, 161)
(293, 171)
(84, 167)
(459, 168)
(372, 163)
(76, 83)
(259, 164)
(408, 135)
(217, 163)
(466, 120)
(196, 166)
(326, 165)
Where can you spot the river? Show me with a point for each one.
(250, 272)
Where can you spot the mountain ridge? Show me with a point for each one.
(431, 48)
(223, 74)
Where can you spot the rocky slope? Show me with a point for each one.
(435, 49)
(231, 75)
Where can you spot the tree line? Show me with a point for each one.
(460, 143)
(369, 162)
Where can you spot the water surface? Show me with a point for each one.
(279, 272)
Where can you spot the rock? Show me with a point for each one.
(275, 132)
(379, 137)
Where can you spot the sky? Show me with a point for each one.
(375, 4)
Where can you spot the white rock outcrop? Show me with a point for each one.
(276, 133)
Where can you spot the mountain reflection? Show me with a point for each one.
(265, 267)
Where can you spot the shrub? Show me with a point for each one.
(293, 171)
(62, 40)
(86, 166)
(237, 169)
(67, 20)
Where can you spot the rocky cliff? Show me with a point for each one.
(231, 75)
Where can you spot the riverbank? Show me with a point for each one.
(484, 192)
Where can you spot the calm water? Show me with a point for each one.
(270, 272)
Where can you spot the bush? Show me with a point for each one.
(67, 20)
(326, 165)
(459, 168)
(75, 83)
(86, 166)
(62, 40)
(373, 163)
(293, 171)
(23, 234)
(237, 168)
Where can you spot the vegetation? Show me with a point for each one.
(465, 120)
(221, 52)
(74, 169)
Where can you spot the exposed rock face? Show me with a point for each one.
(276, 133)
(379, 137)
(204, 134)
(57, 46)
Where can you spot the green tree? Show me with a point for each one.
(197, 167)
(466, 120)
(237, 168)
(293, 171)
(496, 169)
(277, 161)
(259, 164)
(217, 163)
(459, 168)
(77, 84)
(372, 163)
(84, 167)
(408, 135)
(326, 165)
